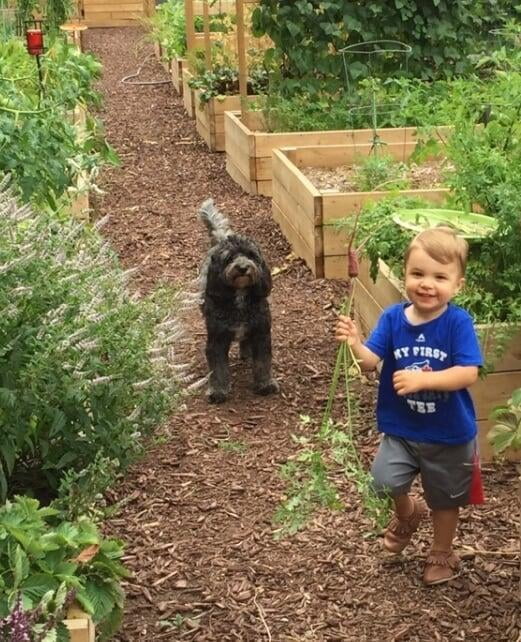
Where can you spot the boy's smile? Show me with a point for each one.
(429, 285)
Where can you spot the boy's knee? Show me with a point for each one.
(386, 484)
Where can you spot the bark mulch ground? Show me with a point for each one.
(197, 512)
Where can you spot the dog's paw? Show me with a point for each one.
(217, 396)
(269, 388)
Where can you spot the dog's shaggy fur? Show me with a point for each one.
(235, 284)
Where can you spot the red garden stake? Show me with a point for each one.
(35, 45)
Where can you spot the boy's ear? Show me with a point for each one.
(461, 284)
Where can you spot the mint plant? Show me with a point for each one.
(45, 564)
(85, 366)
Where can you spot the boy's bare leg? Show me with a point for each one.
(444, 524)
(407, 518)
(442, 564)
(403, 506)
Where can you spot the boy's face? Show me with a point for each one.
(430, 285)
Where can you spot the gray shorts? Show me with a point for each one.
(446, 471)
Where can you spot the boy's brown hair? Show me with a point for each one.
(443, 245)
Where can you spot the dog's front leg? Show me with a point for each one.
(263, 381)
(217, 349)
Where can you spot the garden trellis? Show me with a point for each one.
(370, 50)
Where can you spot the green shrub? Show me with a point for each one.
(39, 145)
(45, 564)
(308, 35)
(168, 27)
(85, 367)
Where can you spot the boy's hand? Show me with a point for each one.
(406, 382)
(346, 330)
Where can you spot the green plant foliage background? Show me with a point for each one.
(308, 35)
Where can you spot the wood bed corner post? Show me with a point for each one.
(207, 41)
(190, 32)
(243, 66)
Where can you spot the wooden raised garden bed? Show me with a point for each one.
(188, 93)
(176, 72)
(116, 13)
(80, 626)
(371, 297)
(209, 118)
(249, 148)
(308, 216)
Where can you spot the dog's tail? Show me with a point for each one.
(216, 223)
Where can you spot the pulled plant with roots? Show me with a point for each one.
(307, 472)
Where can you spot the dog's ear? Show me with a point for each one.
(263, 287)
(215, 282)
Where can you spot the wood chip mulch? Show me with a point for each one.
(344, 178)
(196, 512)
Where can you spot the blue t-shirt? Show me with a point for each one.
(426, 416)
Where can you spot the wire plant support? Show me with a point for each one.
(370, 49)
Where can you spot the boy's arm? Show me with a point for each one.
(367, 359)
(455, 378)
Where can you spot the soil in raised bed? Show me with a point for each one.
(429, 174)
(196, 512)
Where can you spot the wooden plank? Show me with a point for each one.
(335, 240)
(239, 145)
(263, 188)
(176, 72)
(338, 205)
(295, 183)
(298, 218)
(338, 155)
(298, 244)
(493, 390)
(237, 176)
(188, 94)
(367, 309)
(485, 449)
(80, 626)
(387, 289)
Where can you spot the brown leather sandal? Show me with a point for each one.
(400, 530)
(440, 567)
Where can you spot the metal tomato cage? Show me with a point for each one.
(372, 49)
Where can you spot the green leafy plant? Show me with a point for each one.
(308, 35)
(380, 171)
(44, 563)
(39, 143)
(223, 80)
(84, 365)
(168, 27)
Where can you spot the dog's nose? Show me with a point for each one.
(241, 269)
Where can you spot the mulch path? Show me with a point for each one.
(197, 511)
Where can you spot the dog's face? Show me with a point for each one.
(239, 262)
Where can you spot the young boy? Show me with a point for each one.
(430, 356)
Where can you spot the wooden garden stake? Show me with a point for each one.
(241, 54)
(207, 42)
(190, 30)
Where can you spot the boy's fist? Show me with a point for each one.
(346, 330)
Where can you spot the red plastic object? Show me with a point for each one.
(476, 494)
(34, 39)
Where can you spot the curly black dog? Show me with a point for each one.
(235, 283)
